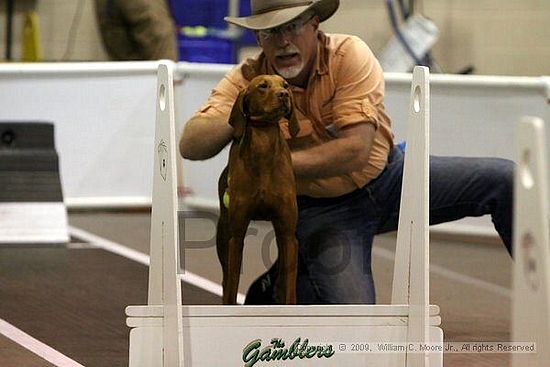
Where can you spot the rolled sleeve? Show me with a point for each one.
(360, 85)
(222, 97)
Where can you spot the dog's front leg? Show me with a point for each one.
(287, 246)
(232, 272)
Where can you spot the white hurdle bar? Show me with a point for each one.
(531, 281)
(166, 333)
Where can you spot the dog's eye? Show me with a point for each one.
(263, 85)
(285, 85)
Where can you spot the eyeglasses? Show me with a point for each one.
(293, 28)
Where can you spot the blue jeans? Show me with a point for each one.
(335, 234)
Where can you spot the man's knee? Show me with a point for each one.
(503, 173)
(498, 174)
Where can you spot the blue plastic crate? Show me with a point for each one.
(248, 37)
(206, 49)
(206, 16)
(207, 13)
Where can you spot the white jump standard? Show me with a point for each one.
(165, 333)
(531, 302)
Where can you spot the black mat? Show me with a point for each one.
(29, 166)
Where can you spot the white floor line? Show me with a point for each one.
(142, 258)
(452, 275)
(36, 346)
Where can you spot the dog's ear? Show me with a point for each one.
(293, 125)
(237, 118)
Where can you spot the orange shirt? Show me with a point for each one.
(346, 87)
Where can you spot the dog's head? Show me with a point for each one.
(267, 99)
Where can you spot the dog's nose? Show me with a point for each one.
(283, 93)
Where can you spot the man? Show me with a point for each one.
(347, 168)
(137, 29)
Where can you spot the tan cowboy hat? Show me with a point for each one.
(272, 13)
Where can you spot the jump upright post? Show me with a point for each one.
(531, 281)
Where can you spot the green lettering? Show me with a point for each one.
(265, 354)
(280, 354)
(310, 352)
(277, 351)
(294, 352)
(329, 352)
(319, 351)
(250, 353)
(303, 349)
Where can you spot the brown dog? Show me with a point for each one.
(260, 184)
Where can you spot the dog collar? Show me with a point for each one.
(262, 123)
(257, 121)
